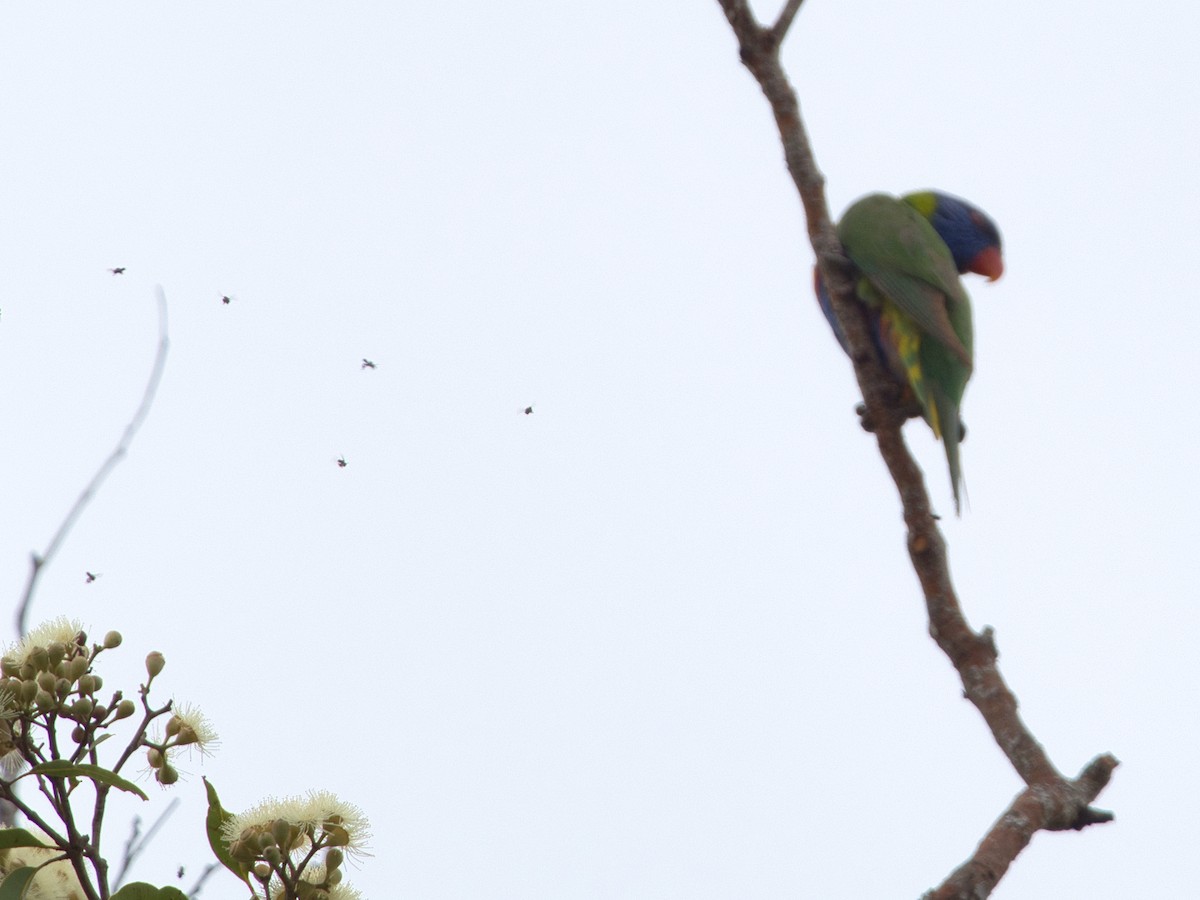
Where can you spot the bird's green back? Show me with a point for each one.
(903, 258)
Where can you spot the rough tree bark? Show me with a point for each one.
(1050, 801)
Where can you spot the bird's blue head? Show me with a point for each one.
(971, 236)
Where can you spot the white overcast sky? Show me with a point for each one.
(661, 638)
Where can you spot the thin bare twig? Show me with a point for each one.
(204, 876)
(37, 563)
(138, 842)
(1050, 800)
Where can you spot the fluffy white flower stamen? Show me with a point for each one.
(57, 631)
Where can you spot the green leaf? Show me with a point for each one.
(17, 883)
(18, 837)
(140, 890)
(217, 816)
(60, 768)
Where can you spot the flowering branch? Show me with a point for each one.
(282, 850)
(52, 722)
(1050, 801)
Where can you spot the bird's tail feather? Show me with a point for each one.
(951, 434)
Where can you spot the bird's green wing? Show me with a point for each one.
(901, 255)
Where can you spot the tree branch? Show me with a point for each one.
(37, 563)
(138, 842)
(204, 876)
(1050, 801)
(781, 26)
(1052, 807)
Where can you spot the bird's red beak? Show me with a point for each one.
(989, 263)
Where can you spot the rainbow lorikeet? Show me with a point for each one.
(908, 254)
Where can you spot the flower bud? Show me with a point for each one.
(154, 757)
(281, 830)
(155, 662)
(333, 859)
(166, 774)
(262, 871)
(87, 684)
(79, 734)
(112, 640)
(244, 849)
(45, 680)
(40, 659)
(125, 709)
(56, 652)
(79, 665)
